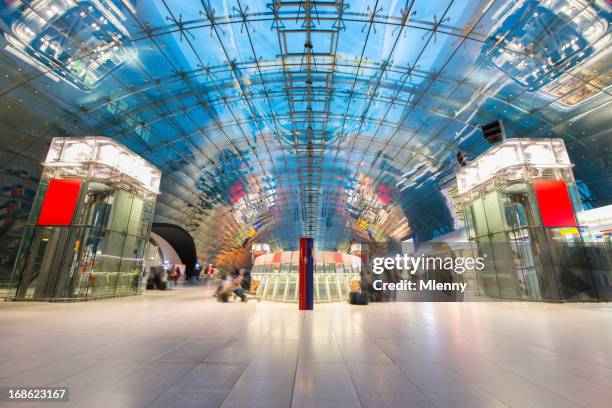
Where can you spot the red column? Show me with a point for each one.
(306, 281)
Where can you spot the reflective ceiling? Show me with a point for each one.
(340, 120)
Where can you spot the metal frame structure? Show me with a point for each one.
(294, 102)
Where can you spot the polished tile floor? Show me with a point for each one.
(182, 349)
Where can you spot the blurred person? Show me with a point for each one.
(224, 282)
(175, 274)
(246, 281)
(238, 286)
(231, 284)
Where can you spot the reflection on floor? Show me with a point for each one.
(182, 349)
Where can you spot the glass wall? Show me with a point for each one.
(100, 254)
(278, 276)
(525, 260)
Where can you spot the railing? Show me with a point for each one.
(283, 287)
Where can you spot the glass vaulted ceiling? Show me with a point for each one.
(334, 119)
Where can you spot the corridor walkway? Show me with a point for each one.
(182, 349)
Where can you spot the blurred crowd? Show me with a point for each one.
(237, 283)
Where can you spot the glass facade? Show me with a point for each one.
(268, 136)
(271, 124)
(278, 276)
(533, 248)
(100, 251)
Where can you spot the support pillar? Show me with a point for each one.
(306, 281)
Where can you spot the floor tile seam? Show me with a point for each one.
(246, 366)
(497, 334)
(524, 379)
(31, 368)
(563, 354)
(475, 350)
(64, 379)
(565, 372)
(28, 369)
(404, 339)
(431, 403)
(42, 350)
(136, 369)
(164, 389)
(469, 383)
(130, 373)
(545, 388)
(116, 342)
(127, 374)
(297, 357)
(346, 367)
(186, 342)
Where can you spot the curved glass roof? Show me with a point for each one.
(336, 119)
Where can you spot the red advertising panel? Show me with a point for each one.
(555, 204)
(59, 202)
